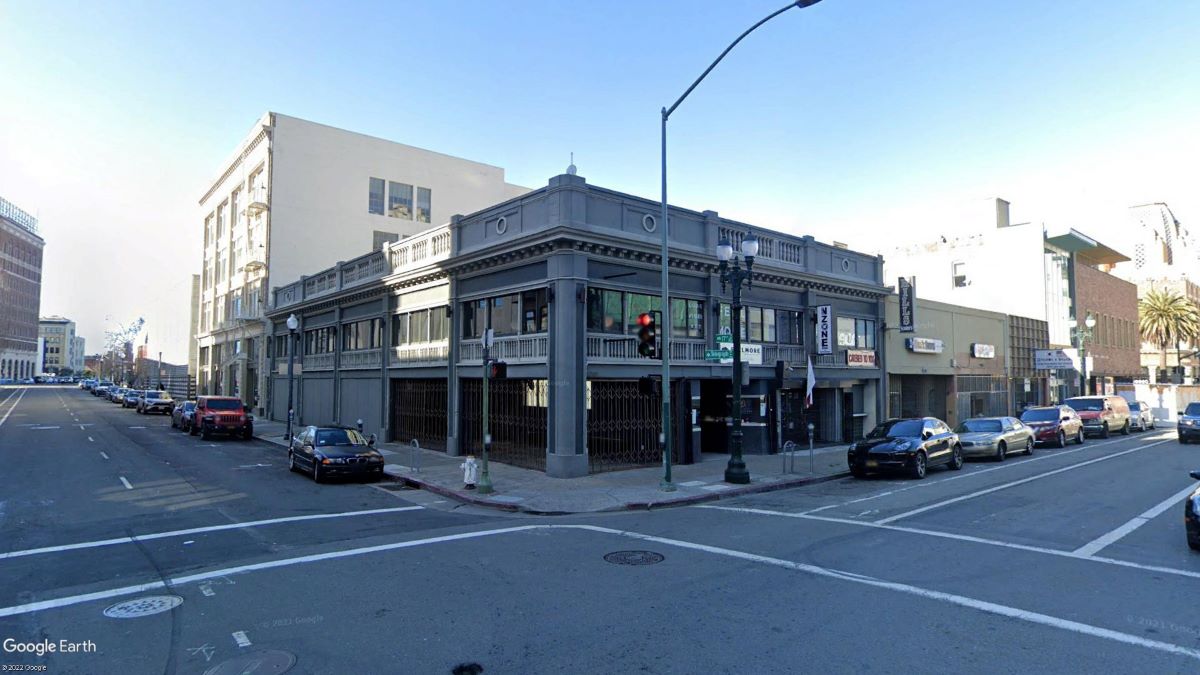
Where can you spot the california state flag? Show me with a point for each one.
(811, 381)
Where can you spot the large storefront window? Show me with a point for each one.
(617, 312)
(764, 324)
(474, 318)
(318, 340)
(366, 334)
(687, 318)
(423, 325)
(504, 317)
(605, 311)
(535, 311)
(639, 304)
(516, 313)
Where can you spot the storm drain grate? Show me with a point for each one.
(152, 604)
(395, 487)
(634, 558)
(267, 662)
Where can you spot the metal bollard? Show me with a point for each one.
(414, 458)
(789, 448)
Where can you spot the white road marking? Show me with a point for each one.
(958, 537)
(14, 405)
(967, 474)
(1005, 486)
(103, 454)
(92, 440)
(126, 483)
(198, 530)
(43, 428)
(207, 590)
(1093, 547)
(240, 638)
(137, 427)
(925, 593)
(206, 649)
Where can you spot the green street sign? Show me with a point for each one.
(717, 354)
(724, 338)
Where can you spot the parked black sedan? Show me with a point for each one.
(1191, 515)
(911, 445)
(183, 414)
(325, 452)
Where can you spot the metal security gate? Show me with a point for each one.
(622, 426)
(419, 411)
(517, 421)
(982, 396)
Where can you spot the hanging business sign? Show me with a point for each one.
(908, 309)
(1058, 359)
(982, 351)
(922, 345)
(751, 355)
(860, 358)
(824, 329)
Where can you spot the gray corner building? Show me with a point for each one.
(560, 274)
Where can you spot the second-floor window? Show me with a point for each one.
(400, 200)
(855, 333)
(316, 341)
(375, 196)
(511, 314)
(424, 204)
(366, 334)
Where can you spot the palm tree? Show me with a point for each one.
(1165, 318)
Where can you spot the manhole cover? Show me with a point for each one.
(634, 558)
(267, 662)
(153, 604)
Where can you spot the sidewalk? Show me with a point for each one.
(534, 492)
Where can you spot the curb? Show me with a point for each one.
(629, 506)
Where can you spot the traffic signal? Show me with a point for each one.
(497, 370)
(648, 386)
(648, 335)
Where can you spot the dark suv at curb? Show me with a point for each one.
(911, 445)
(1188, 426)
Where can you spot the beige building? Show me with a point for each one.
(953, 367)
(298, 196)
(62, 350)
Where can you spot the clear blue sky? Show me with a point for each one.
(116, 113)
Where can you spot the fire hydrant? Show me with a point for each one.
(470, 472)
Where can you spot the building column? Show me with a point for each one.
(566, 451)
(453, 398)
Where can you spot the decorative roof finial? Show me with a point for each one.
(571, 170)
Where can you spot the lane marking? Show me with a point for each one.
(1093, 547)
(814, 570)
(1005, 486)
(959, 537)
(934, 483)
(240, 638)
(92, 440)
(14, 405)
(126, 483)
(102, 454)
(198, 530)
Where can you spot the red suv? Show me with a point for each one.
(1055, 424)
(222, 415)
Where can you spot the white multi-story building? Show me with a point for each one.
(61, 348)
(297, 196)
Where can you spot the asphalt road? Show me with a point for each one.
(1068, 561)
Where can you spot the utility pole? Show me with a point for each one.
(485, 478)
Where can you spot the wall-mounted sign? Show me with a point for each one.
(824, 329)
(860, 358)
(751, 355)
(908, 306)
(982, 351)
(922, 345)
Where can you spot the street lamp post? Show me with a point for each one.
(1083, 335)
(292, 323)
(733, 275)
(666, 483)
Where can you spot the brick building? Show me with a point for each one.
(1114, 347)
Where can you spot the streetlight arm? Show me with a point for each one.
(798, 3)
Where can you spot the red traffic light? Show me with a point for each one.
(645, 319)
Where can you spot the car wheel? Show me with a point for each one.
(1001, 451)
(1194, 544)
(956, 458)
(858, 472)
(173, 425)
(1104, 433)
(1079, 436)
(247, 434)
(291, 461)
(918, 466)
(1126, 429)
(205, 433)
(1029, 447)
(192, 430)
(317, 474)
(1062, 439)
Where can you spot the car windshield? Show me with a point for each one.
(157, 394)
(1040, 415)
(228, 404)
(1090, 404)
(189, 406)
(327, 437)
(1193, 409)
(979, 426)
(1135, 406)
(897, 428)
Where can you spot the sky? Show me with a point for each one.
(864, 121)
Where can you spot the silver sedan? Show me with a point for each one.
(994, 437)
